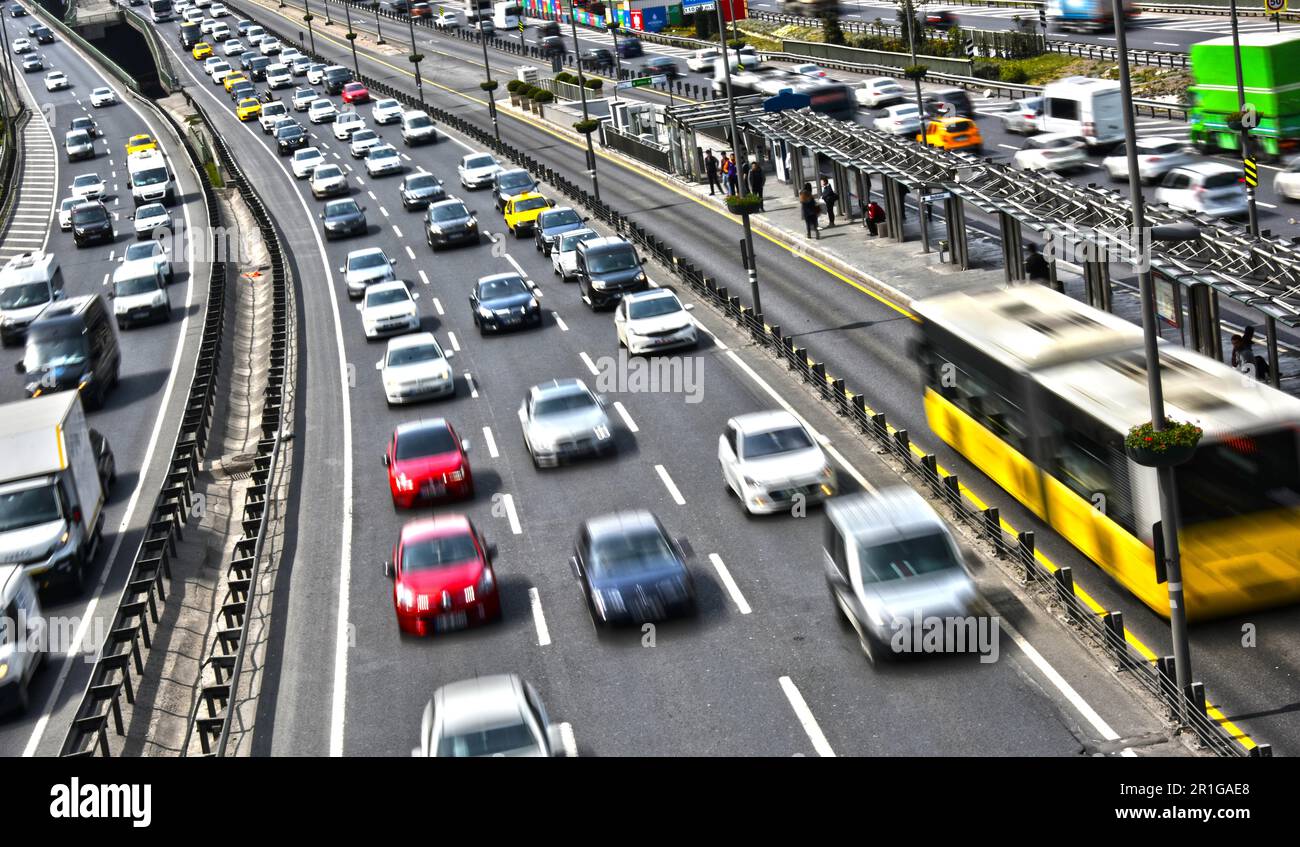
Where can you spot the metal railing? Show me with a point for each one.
(1054, 586)
(10, 150)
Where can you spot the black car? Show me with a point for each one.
(504, 301)
(16, 11)
(343, 217)
(44, 35)
(631, 570)
(91, 223)
(553, 223)
(597, 58)
(240, 90)
(548, 28)
(948, 103)
(940, 20)
(507, 184)
(190, 35)
(243, 27)
(72, 344)
(85, 124)
(420, 189)
(247, 57)
(630, 48)
(290, 139)
(257, 67)
(336, 78)
(607, 269)
(661, 66)
(553, 45)
(449, 222)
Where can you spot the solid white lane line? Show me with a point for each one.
(512, 516)
(539, 618)
(491, 442)
(730, 584)
(591, 366)
(670, 485)
(806, 719)
(627, 419)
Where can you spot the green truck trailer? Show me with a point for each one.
(1270, 68)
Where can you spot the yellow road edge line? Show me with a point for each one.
(1238, 735)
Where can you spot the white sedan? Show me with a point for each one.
(102, 97)
(903, 119)
(327, 181)
(389, 309)
(564, 255)
(22, 45)
(363, 141)
(321, 111)
(1155, 157)
(233, 47)
(772, 462)
(88, 187)
(477, 170)
(648, 321)
(270, 46)
(346, 124)
(383, 160)
(150, 217)
(56, 81)
(1287, 183)
(810, 70)
(415, 368)
(305, 161)
(153, 251)
(880, 91)
(218, 10)
(278, 76)
(386, 112)
(1057, 152)
(65, 212)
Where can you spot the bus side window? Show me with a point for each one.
(1097, 473)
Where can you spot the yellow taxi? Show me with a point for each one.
(140, 143)
(231, 79)
(952, 134)
(202, 50)
(521, 212)
(248, 108)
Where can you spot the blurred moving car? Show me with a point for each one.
(498, 715)
(442, 576)
(504, 301)
(427, 461)
(1209, 188)
(414, 368)
(1023, 118)
(1155, 157)
(388, 308)
(1057, 152)
(770, 461)
(654, 320)
(878, 92)
(631, 570)
(562, 420)
(903, 119)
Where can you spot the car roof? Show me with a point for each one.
(1207, 168)
(650, 294)
(437, 526)
(764, 421)
(495, 277)
(480, 703)
(364, 251)
(527, 195)
(619, 523)
(423, 424)
(607, 241)
(1159, 140)
(897, 511)
(1056, 136)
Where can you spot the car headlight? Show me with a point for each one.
(612, 599)
(456, 475)
(602, 432)
(435, 229)
(484, 312)
(532, 304)
(598, 284)
(405, 483)
(4, 669)
(544, 443)
(640, 277)
(444, 373)
(405, 596)
(445, 599)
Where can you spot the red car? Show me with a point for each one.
(442, 576)
(426, 461)
(356, 92)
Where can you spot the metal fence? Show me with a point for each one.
(1054, 586)
(655, 155)
(13, 111)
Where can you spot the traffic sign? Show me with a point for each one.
(970, 48)
(521, 24)
(1273, 7)
(1251, 171)
(1042, 16)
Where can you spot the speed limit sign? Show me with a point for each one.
(1274, 6)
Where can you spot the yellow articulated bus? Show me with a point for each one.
(1038, 391)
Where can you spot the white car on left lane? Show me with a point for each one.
(88, 187)
(305, 161)
(56, 81)
(415, 368)
(389, 309)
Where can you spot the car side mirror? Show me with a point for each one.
(465, 445)
(386, 460)
(112, 295)
(361, 307)
(342, 269)
(379, 366)
(363, 208)
(690, 307)
(388, 568)
(555, 740)
(550, 202)
(586, 218)
(491, 550)
(321, 216)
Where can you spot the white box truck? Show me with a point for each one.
(54, 476)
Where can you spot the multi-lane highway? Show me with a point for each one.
(142, 412)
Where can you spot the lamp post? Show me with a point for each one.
(487, 75)
(416, 58)
(9, 60)
(737, 143)
(309, 17)
(379, 28)
(1155, 390)
(352, 38)
(328, 21)
(1253, 220)
(916, 79)
(582, 88)
(613, 25)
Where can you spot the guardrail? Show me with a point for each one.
(10, 151)
(226, 652)
(129, 641)
(1054, 586)
(71, 34)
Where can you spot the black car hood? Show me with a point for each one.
(510, 301)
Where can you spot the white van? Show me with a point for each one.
(149, 179)
(140, 294)
(1080, 105)
(28, 283)
(23, 637)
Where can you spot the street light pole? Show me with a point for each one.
(416, 58)
(309, 17)
(487, 74)
(1241, 104)
(737, 143)
(582, 89)
(379, 28)
(1155, 390)
(612, 24)
(916, 80)
(352, 38)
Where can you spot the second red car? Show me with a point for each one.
(426, 461)
(356, 92)
(442, 576)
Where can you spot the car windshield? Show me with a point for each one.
(906, 558)
(498, 288)
(75, 138)
(363, 135)
(480, 162)
(102, 92)
(426, 441)
(29, 507)
(631, 553)
(653, 307)
(326, 172)
(558, 405)
(86, 180)
(570, 243)
(343, 209)
(24, 295)
(776, 441)
(420, 121)
(514, 180)
(290, 131)
(1227, 179)
(386, 104)
(306, 155)
(904, 112)
(621, 259)
(414, 354)
(562, 217)
(147, 250)
(453, 212)
(135, 285)
(152, 210)
(152, 176)
(384, 298)
(417, 182)
(367, 260)
(509, 739)
(1164, 149)
(54, 351)
(383, 153)
(429, 554)
(91, 215)
(531, 203)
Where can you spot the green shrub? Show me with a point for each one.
(543, 96)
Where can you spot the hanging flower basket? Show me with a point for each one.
(586, 127)
(1164, 448)
(744, 204)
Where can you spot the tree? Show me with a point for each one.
(832, 33)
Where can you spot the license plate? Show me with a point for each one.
(432, 489)
(450, 621)
(960, 137)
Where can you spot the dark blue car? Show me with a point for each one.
(630, 48)
(631, 570)
(504, 301)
